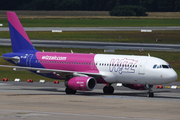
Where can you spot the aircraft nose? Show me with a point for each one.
(172, 76)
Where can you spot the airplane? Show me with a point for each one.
(82, 71)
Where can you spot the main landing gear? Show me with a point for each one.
(150, 92)
(108, 89)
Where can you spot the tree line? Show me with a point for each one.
(90, 5)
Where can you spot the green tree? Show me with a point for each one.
(70, 5)
(128, 10)
(177, 6)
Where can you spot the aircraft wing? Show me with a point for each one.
(43, 70)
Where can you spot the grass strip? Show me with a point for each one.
(168, 37)
(95, 22)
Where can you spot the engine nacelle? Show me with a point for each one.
(136, 86)
(81, 83)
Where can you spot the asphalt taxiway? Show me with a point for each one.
(99, 45)
(95, 28)
(37, 101)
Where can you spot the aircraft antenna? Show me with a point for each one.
(140, 50)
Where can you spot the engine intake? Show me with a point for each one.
(81, 83)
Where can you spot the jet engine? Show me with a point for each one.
(136, 86)
(81, 83)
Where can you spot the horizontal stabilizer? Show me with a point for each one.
(15, 59)
(10, 58)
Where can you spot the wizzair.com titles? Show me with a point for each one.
(53, 57)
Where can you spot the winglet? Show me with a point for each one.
(19, 38)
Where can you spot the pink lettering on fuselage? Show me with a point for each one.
(122, 65)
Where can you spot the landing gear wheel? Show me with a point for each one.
(105, 90)
(70, 91)
(111, 89)
(151, 94)
(108, 89)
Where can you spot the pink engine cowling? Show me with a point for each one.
(135, 86)
(82, 83)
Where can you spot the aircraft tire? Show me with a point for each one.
(108, 89)
(105, 90)
(151, 94)
(111, 89)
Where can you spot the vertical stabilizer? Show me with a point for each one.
(19, 39)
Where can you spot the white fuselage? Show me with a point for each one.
(134, 69)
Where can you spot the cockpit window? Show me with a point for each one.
(169, 66)
(165, 66)
(154, 66)
(161, 66)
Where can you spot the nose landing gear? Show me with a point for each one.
(150, 92)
